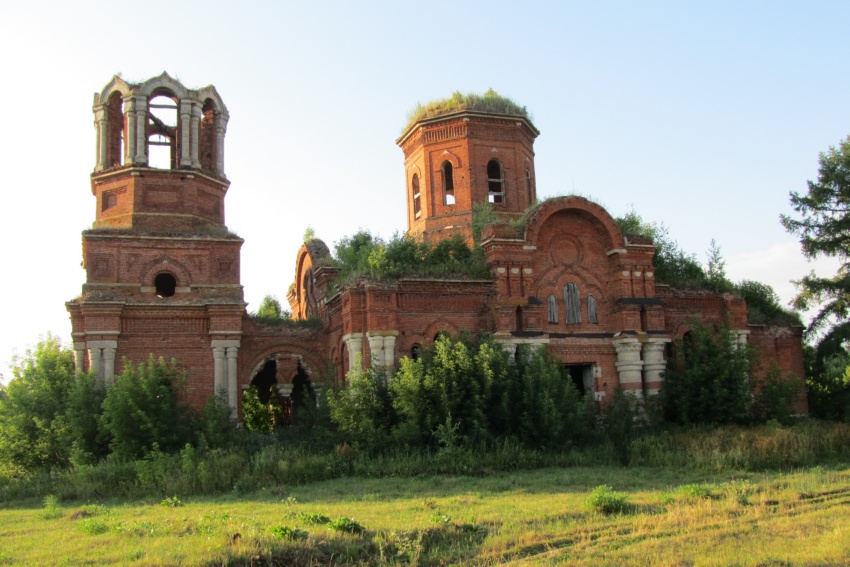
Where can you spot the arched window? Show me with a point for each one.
(572, 299)
(115, 130)
(448, 183)
(495, 182)
(416, 351)
(414, 189)
(591, 309)
(206, 134)
(162, 132)
(553, 309)
(165, 284)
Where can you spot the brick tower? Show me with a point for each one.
(162, 270)
(457, 159)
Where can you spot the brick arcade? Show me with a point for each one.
(162, 270)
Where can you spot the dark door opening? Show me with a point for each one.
(581, 375)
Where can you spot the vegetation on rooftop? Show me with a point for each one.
(272, 314)
(490, 101)
(364, 255)
(681, 270)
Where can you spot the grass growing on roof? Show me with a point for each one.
(490, 101)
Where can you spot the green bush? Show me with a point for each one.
(142, 411)
(362, 407)
(604, 500)
(34, 429)
(708, 381)
(285, 532)
(828, 387)
(776, 395)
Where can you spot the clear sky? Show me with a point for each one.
(700, 115)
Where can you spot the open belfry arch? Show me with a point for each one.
(163, 270)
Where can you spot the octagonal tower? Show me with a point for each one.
(464, 151)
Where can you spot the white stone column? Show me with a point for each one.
(79, 357)
(102, 360)
(629, 365)
(220, 129)
(185, 124)
(376, 349)
(140, 104)
(739, 338)
(389, 354)
(511, 350)
(131, 143)
(219, 370)
(196, 135)
(232, 399)
(654, 363)
(101, 130)
(109, 365)
(96, 363)
(354, 342)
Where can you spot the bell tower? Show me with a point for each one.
(162, 269)
(457, 159)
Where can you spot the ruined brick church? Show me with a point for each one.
(162, 270)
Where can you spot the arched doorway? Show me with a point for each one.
(283, 385)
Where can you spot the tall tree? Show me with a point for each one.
(823, 226)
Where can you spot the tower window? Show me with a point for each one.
(115, 131)
(591, 309)
(448, 183)
(572, 299)
(553, 309)
(166, 284)
(162, 132)
(414, 189)
(495, 182)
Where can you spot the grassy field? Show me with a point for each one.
(528, 518)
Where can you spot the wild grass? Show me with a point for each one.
(536, 518)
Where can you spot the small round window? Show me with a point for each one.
(165, 284)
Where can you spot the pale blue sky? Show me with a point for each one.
(700, 115)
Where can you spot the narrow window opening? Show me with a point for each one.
(414, 188)
(165, 285)
(448, 183)
(115, 131)
(553, 309)
(206, 134)
(162, 132)
(591, 309)
(495, 182)
(572, 299)
(519, 320)
(416, 351)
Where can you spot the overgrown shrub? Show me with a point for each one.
(605, 500)
(34, 429)
(708, 381)
(828, 387)
(776, 395)
(142, 410)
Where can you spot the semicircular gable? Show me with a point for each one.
(166, 264)
(552, 207)
(116, 84)
(209, 92)
(313, 253)
(164, 81)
